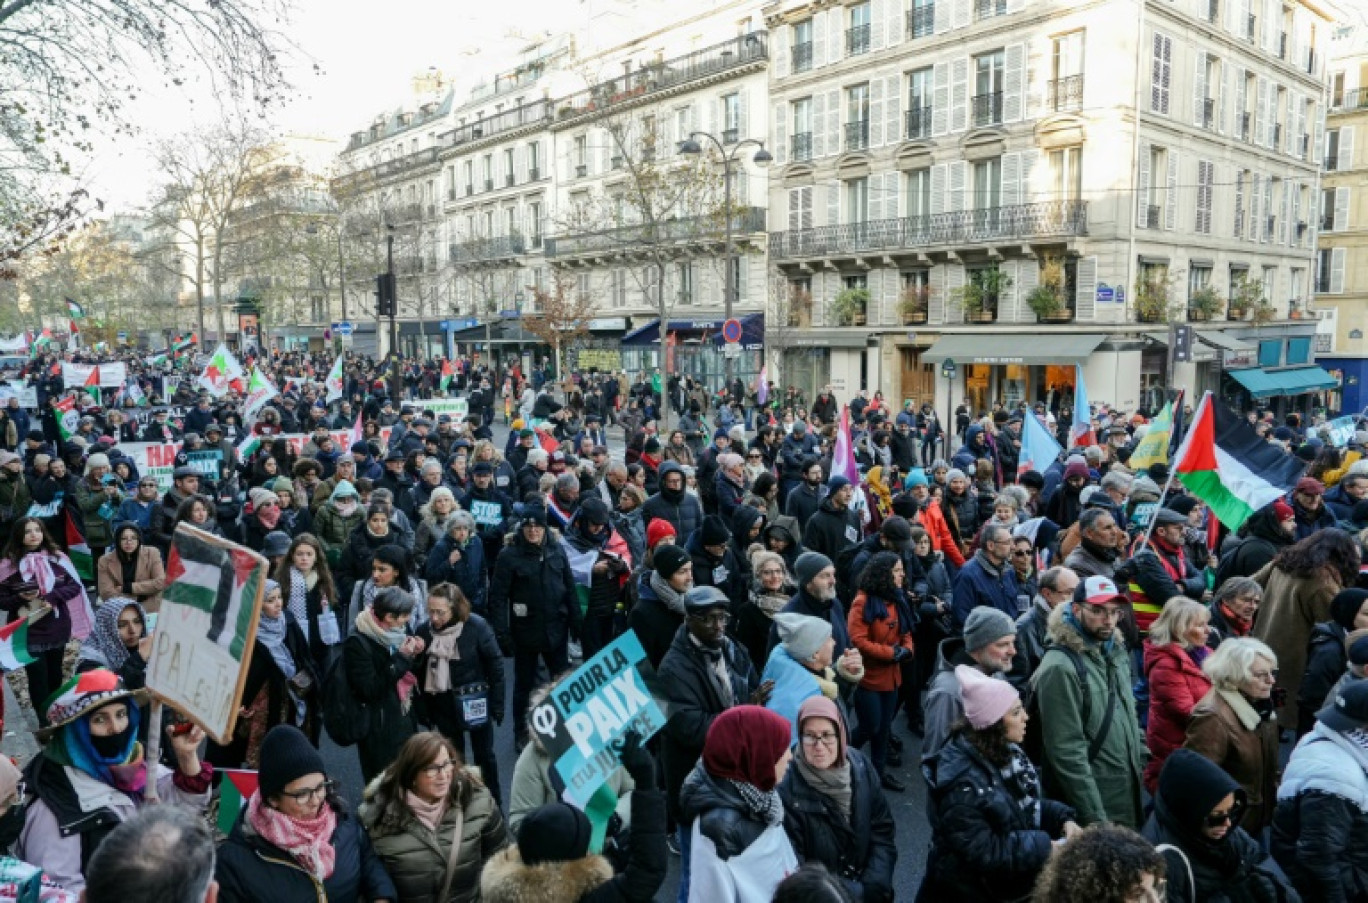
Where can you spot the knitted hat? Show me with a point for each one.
(897, 532)
(533, 515)
(281, 484)
(915, 477)
(1356, 646)
(556, 832)
(985, 625)
(1076, 469)
(954, 474)
(277, 543)
(658, 529)
(594, 511)
(714, 531)
(744, 743)
(1344, 608)
(81, 695)
(286, 756)
(820, 707)
(262, 497)
(809, 565)
(986, 699)
(669, 559)
(802, 636)
(837, 481)
(1182, 504)
(343, 490)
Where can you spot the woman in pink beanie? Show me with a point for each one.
(992, 831)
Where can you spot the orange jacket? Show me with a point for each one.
(876, 642)
(932, 520)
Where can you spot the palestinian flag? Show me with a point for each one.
(14, 651)
(78, 550)
(92, 384)
(582, 568)
(235, 789)
(68, 418)
(1224, 463)
(224, 582)
(448, 374)
(76, 311)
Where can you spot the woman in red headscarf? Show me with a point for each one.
(738, 851)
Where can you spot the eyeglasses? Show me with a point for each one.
(752, 457)
(712, 617)
(1269, 676)
(438, 769)
(1232, 815)
(1021, 553)
(310, 793)
(827, 739)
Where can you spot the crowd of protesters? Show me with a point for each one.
(1097, 679)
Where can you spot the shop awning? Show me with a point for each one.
(1263, 383)
(1013, 349)
(752, 331)
(1224, 342)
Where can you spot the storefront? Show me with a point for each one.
(696, 348)
(1012, 368)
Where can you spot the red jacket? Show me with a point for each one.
(875, 642)
(932, 520)
(1176, 684)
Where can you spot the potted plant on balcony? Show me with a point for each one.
(978, 297)
(848, 308)
(1047, 299)
(800, 308)
(1204, 304)
(1263, 312)
(1153, 302)
(914, 304)
(1245, 296)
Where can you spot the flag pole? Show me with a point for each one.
(1173, 469)
(154, 732)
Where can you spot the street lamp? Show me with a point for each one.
(761, 158)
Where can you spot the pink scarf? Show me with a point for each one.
(429, 814)
(307, 840)
(269, 515)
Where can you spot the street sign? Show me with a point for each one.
(1105, 293)
(731, 351)
(345, 328)
(1120, 295)
(123, 337)
(948, 368)
(731, 331)
(1182, 343)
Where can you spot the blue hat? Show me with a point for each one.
(915, 478)
(721, 434)
(837, 481)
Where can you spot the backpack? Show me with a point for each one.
(1034, 744)
(346, 718)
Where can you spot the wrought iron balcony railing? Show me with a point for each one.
(747, 220)
(801, 147)
(919, 122)
(802, 56)
(857, 40)
(857, 135)
(988, 108)
(921, 21)
(484, 250)
(1065, 93)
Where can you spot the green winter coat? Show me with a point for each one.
(99, 532)
(416, 858)
(15, 500)
(332, 529)
(1108, 787)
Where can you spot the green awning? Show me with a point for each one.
(1009, 348)
(1263, 383)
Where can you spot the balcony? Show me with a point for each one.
(405, 213)
(486, 250)
(533, 174)
(509, 180)
(1327, 223)
(731, 136)
(395, 167)
(801, 147)
(581, 170)
(1244, 126)
(857, 135)
(919, 122)
(615, 162)
(470, 189)
(1208, 112)
(1152, 216)
(451, 194)
(988, 109)
(654, 78)
(1053, 219)
(988, 9)
(921, 21)
(693, 229)
(536, 113)
(1277, 135)
(857, 40)
(1065, 93)
(802, 56)
(1331, 162)
(489, 184)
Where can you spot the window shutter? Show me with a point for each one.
(833, 211)
(818, 125)
(1171, 196)
(876, 113)
(1337, 270)
(939, 189)
(833, 122)
(1268, 210)
(1085, 296)
(779, 136)
(935, 306)
(879, 11)
(1284, 227)
(1317, 115)
(1142, 187)
(1204, 180)
(1199, 88)
(894, 23)
(1255, 205)
(819, 29)
(1027, 278)
(795, 209)
(1011, 180)
(1014, 83)
(1161, 74)
(892, 195)
(954, 280)
(1341, 209)
(1028, 162)
(875, 202)
(1015, 6)
(1007, 297)
(1232, 8)
(940, 109)
(941, 15)
(959, 174)
(959, 12)
(892, 119)
(1256, 135)
(836, 25)
(1346, 149)
(1239, 75)
(743, 112)
(1272, 16)
(779, 49)
(959, 94)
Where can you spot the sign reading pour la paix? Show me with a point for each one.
(588, 712)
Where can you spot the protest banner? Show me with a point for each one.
(1341, 431)
(456, 408)
(15, 388)
(591, 709)
(112, 375)
(202, 646)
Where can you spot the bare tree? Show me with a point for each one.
(563, 315)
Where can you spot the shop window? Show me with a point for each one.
(1270, 352)
(1299, 350)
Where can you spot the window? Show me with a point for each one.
(510, 221)
(487, 169)
(1328, 223)
(1066, 171)
(469, 170)
(731, 118)
(921, 19)
(1324, 263)
(1270, 274)
(1154, 192)
(802, 129)
(1161, 74)
(1270, 352)
(684, 277)
(919, 193)
(802, 45)
(683, 123)
(920, 91)
(1066, 65)
(1235, 285)
(650, 134)
(857, 117)
(987, 9)
(857, 200)
(534, 223)
(855, 281)
(988, 77)
(1241, 179)
(510, 175)
(619, 288)
(1206, 178)
(987, 190)
(581, 156)
(1337, 90)
(857, 37)
(1199, 277)
(1332, 150)
(534, 160)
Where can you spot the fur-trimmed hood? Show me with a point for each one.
(1065, 634)
(506, 879)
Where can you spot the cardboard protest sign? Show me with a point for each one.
(456, 408)
(592, 708)
(202, 646)
(206, 462)
(1341, 431)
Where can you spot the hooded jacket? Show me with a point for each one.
(680, 508)
(975, 446)
(1254, 545)
(1177, 684)
(831, 529)
(532, 601)
(1322, 817)
(1105, 788)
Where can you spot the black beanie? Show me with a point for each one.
(1183, 504)
(286, 755)
(714, 531)
(1190, 786)
(557, 832)
(669, 558)
(1345, 606)
(905, 506)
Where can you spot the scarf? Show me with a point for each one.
(366, 625)
(269, 516)
(883, 499)
(1022, 781)
(430, 814)
(128, 570)
(764, 806)
(296, 600)
(1101, 553)
(832, 783)
(1198, 654)
(673, 600)
(1238, 626)
(307, 840)
(443, 650)
(124, 770)
(345, 507)
(369, 589)
(271, 634)
(104, 645)
(36, 569)
(769, 603)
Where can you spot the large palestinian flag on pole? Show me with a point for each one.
(1224, 463)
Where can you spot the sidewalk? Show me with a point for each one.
(18, 742)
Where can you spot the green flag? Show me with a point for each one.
(1154, 448)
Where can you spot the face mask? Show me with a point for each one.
(346, 506)
(115, 745)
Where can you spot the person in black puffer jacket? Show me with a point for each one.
(715, 562)
(992, 830)
(834, 526)
(532, 605)
(1221, 859)
(835, 811)
(673, 503)
(1267, 532)
(1326, 657)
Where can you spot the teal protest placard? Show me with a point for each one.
(1341, 431)
(587, 712)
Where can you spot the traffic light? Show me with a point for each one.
(384, 295)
